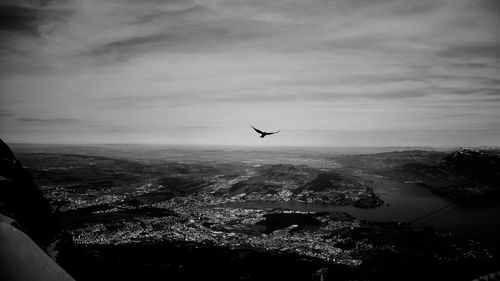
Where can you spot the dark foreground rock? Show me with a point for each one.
(29, 234)
(21, 200)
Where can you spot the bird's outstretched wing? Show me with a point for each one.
(272, 133)
(257, 130)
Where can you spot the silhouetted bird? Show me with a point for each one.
(263, 134)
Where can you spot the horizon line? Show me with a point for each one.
(267, 146)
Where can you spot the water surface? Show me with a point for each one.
(416, 204)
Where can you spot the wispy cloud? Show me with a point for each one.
(4, 113)
(42, 121)
(472, 51)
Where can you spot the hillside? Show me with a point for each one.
(463, 174)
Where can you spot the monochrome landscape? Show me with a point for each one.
(249, 140)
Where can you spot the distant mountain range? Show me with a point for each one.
(464, 174)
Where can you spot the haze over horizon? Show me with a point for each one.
(325, 73)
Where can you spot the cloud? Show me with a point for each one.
(181, 8)
(5, 113)
(488, 51)
(30, 18)
(20, 19)
(51, 121)
(185, 41)
(358, 64)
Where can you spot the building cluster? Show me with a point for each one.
(194, 221)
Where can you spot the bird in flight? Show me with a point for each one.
(263, 134)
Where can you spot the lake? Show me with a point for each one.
(412, 203)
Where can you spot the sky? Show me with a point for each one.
(325, 73)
